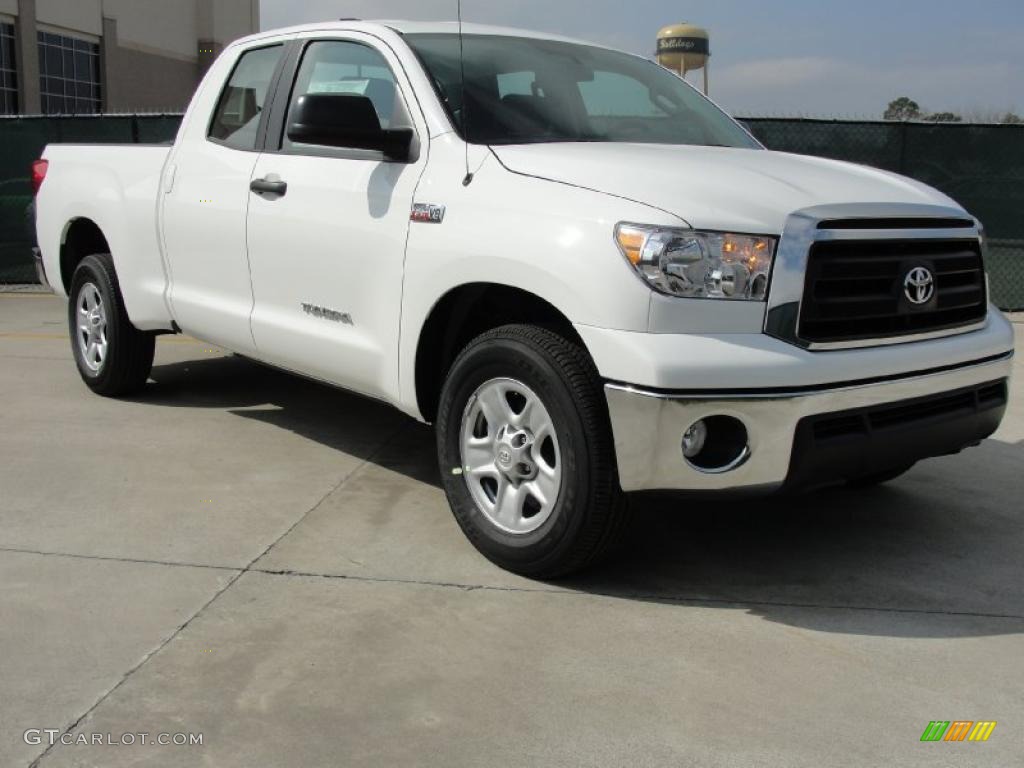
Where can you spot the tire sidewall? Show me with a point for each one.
(92, 270)
(507, 357)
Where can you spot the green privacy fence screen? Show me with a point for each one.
(980, 166)
(22, 140)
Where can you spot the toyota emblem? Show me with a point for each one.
(919, 286)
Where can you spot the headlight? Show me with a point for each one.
(699, 265)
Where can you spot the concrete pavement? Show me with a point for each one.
(271, 563)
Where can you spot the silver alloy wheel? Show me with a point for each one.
(92, 327)
(510, 456)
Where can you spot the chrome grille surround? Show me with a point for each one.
(852, 223)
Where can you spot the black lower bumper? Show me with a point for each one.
(838, 447)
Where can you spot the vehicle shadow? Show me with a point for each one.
(934, 554)
(342, 421)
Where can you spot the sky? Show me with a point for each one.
(793, 57)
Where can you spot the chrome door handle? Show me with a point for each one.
(267, 187)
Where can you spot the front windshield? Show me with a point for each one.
(525, 91)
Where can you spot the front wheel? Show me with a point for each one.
(526, 453)
(113, 357)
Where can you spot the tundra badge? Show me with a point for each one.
(328, 314)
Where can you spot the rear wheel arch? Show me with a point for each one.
(82, 237)
(463, 314)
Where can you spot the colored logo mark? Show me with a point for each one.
(958, 730)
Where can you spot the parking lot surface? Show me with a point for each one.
(271, 564)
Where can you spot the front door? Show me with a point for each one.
(327, 230)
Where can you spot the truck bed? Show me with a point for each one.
(116, 187)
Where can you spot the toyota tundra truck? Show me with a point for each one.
(583, 273)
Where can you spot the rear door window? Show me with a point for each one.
(237, 117)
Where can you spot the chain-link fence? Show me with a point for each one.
(980, 166)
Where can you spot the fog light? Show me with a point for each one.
(694, 439)
(716, 444)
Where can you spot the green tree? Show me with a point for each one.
(1012, 118)
(944, 117)
(903, 108)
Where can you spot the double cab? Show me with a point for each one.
(583, 273)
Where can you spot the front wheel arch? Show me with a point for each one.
(466, 312)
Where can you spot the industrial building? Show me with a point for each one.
(91, 56)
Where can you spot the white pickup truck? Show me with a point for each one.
(589, 278)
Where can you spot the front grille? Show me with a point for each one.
(854, 290)
(891, 223)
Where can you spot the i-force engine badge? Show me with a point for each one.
(427, 213)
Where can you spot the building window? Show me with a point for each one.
(8, 72)
(69, 75)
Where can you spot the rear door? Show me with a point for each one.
(327, 255)
(207, 198)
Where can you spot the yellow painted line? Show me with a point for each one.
(60, 336)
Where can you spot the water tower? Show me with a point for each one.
(685, 48)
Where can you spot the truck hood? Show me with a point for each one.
(718, 188)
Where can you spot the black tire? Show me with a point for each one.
(128, 361)
(590, 514)
(879, 478)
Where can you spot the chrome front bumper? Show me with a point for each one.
(648, 426)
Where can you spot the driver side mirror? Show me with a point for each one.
(347, 121)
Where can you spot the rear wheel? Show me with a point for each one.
(113, 357)
(526, 453)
